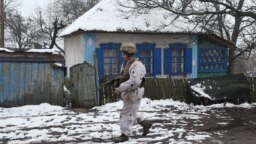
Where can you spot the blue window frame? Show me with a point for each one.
(177, 59)
(144, 53)
(212, 59)
(109, 59)
(150, 57)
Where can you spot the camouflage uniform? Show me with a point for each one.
(131, 94)
(131, 77)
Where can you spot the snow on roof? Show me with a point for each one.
(110, 16)
(53, 51)
(6, 50)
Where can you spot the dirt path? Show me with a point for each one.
(241, 127)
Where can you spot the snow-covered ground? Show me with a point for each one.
(174, 122)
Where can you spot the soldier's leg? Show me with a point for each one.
(129, 116)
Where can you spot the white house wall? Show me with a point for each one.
(161, 40)
(74, 50)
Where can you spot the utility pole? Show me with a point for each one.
(2, 17)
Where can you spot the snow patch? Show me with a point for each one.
(47, 123)
(200, 90)
(52, 51)
(6, 50)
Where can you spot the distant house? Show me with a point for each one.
(175, 50)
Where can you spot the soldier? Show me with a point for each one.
(131, 90)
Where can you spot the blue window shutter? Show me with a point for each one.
(188, 60)
(167, 61)
(157, 61)
(100, 61)
(137, 54)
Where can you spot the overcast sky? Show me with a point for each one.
(28, 6)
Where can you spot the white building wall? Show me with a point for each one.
(74, 50)
(161, 40)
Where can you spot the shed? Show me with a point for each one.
(167, 45)
(30, 77)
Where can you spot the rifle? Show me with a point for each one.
(115, 82)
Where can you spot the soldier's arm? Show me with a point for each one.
(137, 72)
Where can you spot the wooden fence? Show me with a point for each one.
(161, 88)
(24, 83)
(253, 88)
(155, 89)
(83, 79)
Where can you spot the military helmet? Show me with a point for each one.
(128, 48)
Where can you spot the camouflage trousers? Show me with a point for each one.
(129, 116)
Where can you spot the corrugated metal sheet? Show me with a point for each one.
(30, 82)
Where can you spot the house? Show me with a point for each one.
(167, 45)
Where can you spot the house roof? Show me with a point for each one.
(53, 51)
(33, 55)
(110, 16)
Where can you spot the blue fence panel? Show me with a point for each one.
(1, 84)
(23, 83)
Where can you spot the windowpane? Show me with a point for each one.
(145, 53)
(111, 64)
(115, 69)
(110, 53)
(106, 60)
(106, 69)
(114, 60)
(177, 61)
(145, 56)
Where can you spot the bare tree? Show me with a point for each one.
(58, 15)
(11, 5)
(21, 31)
(70, 10)
(233, 20)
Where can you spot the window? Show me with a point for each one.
(146, 58)
(212, 59)
(150, 56)
(111, 64)
(108, 59)
(177, 61)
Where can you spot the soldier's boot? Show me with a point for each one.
(146, 126)
(121, 138)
